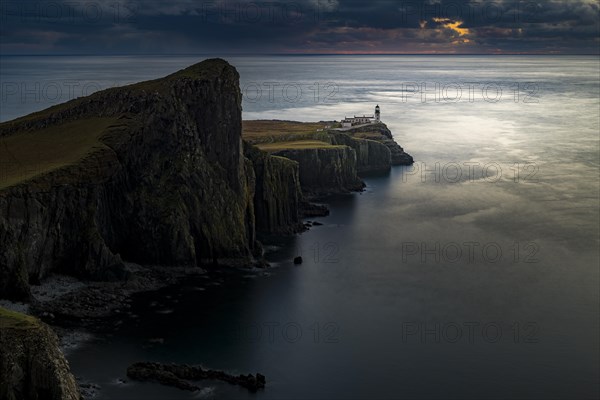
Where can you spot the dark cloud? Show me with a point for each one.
(286, 26)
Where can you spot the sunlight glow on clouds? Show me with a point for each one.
(292, 26)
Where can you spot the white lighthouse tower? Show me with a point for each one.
(377, 114)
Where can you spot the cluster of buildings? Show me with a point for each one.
(372, 119)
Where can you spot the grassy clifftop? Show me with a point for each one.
(276, 135)
(204, 71)
(14, 320)
(30, 153)
(295, 145)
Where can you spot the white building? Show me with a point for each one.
(350, 122)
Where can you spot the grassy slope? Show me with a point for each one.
(14, 320)
(263, 131)
(24, 155)
(366, 135)
(207, 69)
(295, 145)
(27, 154)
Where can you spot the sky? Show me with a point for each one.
(299, 27)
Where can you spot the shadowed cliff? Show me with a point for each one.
(152, 173)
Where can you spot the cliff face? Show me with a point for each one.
(326, 170)
(278, 194)
(380, 133)
(168, 183)
(32, 367)
(371, 156)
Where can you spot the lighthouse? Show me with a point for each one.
(377, 114)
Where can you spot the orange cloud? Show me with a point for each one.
(453, 25)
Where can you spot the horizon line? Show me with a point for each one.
(293, 54)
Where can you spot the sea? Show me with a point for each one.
(473, 274)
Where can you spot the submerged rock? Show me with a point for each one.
(179, 376)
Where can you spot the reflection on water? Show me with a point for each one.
(472, 274)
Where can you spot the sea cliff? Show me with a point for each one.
(330, 159)
(162, 179)
(32, 366)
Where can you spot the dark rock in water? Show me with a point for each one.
(179, 376)
(298, 260)
(317, 223)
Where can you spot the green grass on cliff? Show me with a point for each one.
(261, 131)
(15, 320)
(367, 135)
(296, 145)
(25, 155)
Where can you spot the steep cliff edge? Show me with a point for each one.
(32, 367)
(379, 132)
(371, 155)
(152, 173)
(330, 160)
(278, 195)
(326, 169)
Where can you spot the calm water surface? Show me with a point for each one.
(473, 274)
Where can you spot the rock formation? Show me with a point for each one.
(164, 178)
(32, 366)
(326, 170)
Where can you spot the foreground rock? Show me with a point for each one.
(179, 376)
(31, 363)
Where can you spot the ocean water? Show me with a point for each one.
(473, 274)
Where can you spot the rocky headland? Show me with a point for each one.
(107, 187)
(331, 159)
